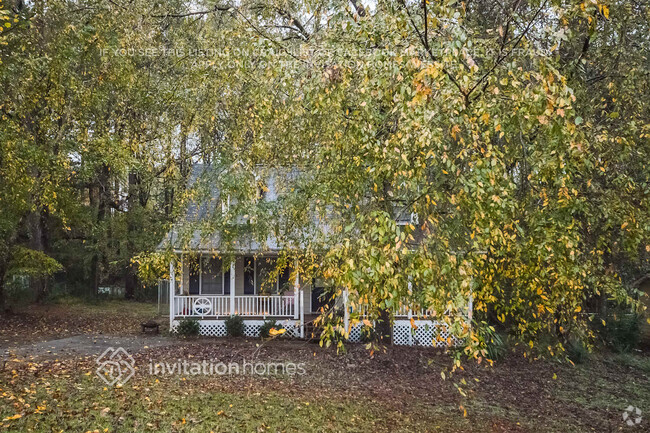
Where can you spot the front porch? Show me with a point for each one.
(211, 312)
(202, 290)
(205, 288)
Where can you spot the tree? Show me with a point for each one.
(482, 120)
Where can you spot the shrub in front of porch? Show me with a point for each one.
(234, 326)
(268, 325)
(187, 327)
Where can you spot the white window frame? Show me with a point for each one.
(223, 280)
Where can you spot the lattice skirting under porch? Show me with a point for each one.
(429, 333)
(355, 333)
(217, 328)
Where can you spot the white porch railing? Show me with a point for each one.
(401, 311)
(272, 305)
(212, 306)
(201, 306)
(405, 311)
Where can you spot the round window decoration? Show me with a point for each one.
(202, 306)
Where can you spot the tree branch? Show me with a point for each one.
(502, 57)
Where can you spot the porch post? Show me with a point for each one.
(232, 286)
(172, 290)
(301, 301)
(346, 311)
(296, 288)
(302, 314)
(409, 315)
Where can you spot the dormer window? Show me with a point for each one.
(407, 218)
(225, 205)
(403, 216)
(262, 189)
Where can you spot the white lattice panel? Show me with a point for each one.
(292, 327)
(428, 333)
(402, 334)
(355, 333)
(217, 328)
(212, 328)
(252, 329)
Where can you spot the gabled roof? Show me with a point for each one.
(196, 212)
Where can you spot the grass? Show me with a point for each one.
(82, 403)
(69, 396)
(398, 390)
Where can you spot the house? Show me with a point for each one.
(216, 274)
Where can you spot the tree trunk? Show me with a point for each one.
(130, 277)
(36, 242)
(4, 259)
(100, 196)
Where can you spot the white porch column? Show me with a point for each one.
(232, 286)
(301, 301)
(346, 311)
(296, 289)
(302, 314)
(409, 315)
(172, 290)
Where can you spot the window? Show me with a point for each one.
(264, 268)
(195, 275)
(286, 283)
(225, 205)
(226, 282)
(207, 276)
(211, 276)
(249, 276)
(262, 189)
(258, 274)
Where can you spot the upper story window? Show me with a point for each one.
(262, 190)
(225, 204)
(403, 216)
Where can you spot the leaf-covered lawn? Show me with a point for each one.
(395, 391)
(399, 389)
(73, 317)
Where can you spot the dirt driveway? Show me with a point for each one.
(83, 346)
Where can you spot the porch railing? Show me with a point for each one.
(272, 305)
(401, 311)
(211, 306)
(405, 311)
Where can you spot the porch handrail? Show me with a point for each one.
(212, 306)
(265, 305)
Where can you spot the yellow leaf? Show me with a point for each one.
(274, 331)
